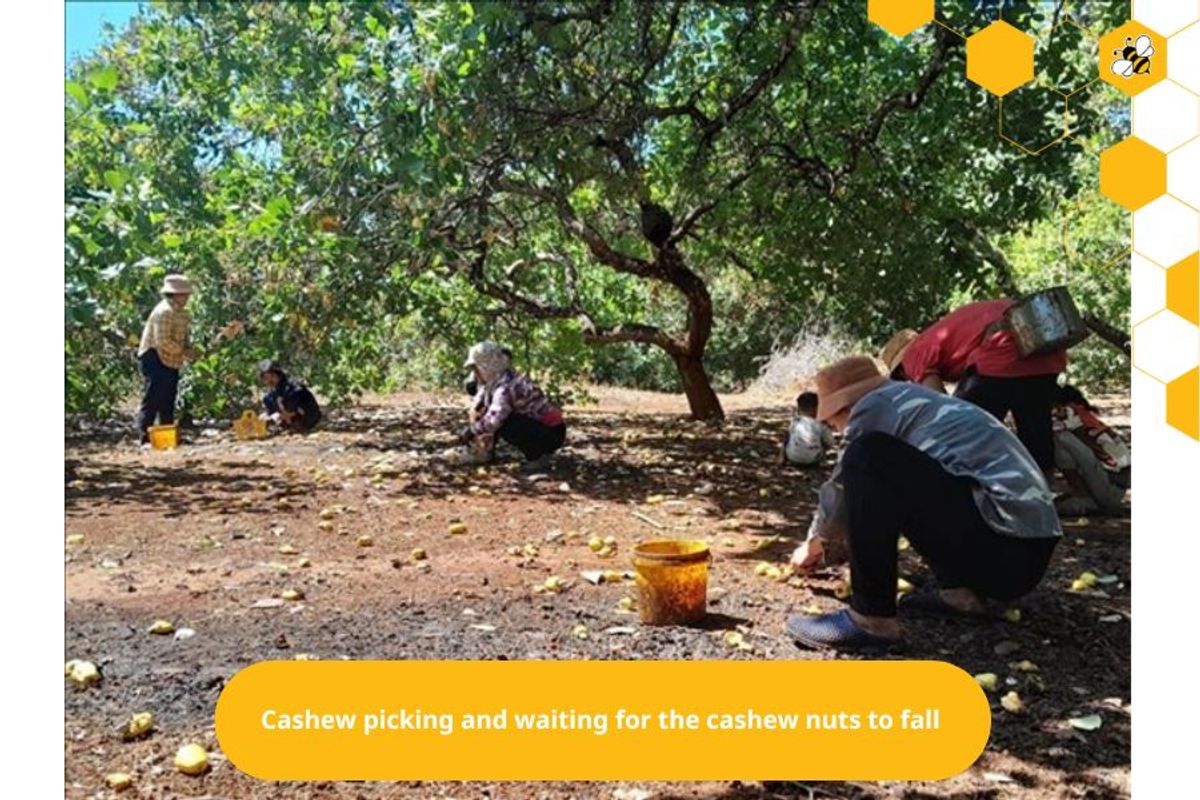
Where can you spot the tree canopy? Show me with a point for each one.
(648, 193)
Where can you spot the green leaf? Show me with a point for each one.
(171, 240)
(77, 91)
(411, 164)
(116, 179)
(103, 78)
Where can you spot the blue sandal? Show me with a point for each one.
(835, 631)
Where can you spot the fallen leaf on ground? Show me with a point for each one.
(364, 541)
(735, 641)
(552, 585)
(1085, 581)
(654, 499)
(1012, 615)
(626, 604)
(304, 562)
(902, 543)
(418, 554)
(75, 538)
(292, 594)
(595, 544)
(82, 672)
(903, 586)
(118, 781)
(580, 631)
(1011, 703)
(1006, 648)
(988, 680)
(457, 528)
(138, 726)
(1024, 666)
(287, 550)
(1091, 722)
(191, 759)
(161, 627)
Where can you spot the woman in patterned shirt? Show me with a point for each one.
(164, 346)
(513, 408)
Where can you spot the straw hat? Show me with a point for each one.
(843, 383)
(176, 284)
(893, 352)
(489, 357)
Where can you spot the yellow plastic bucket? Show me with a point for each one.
(164, 437)
(672, 581)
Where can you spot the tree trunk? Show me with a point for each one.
(702, 400)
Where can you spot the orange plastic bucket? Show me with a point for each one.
(164, 437)
(672, 581)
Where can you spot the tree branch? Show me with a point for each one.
(1110, 334)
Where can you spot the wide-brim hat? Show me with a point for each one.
(483, 354)
(844, 383)
(176, 284)
(893, 352)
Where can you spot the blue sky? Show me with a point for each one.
(84, 21)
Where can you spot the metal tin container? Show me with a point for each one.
(1046, 321)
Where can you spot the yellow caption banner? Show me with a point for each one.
(602, 720)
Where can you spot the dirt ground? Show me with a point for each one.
(200, 535)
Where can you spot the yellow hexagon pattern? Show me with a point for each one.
(1167, 342)
(1183, 403)
(1152, 180)
(1000, 58)
(1183, 288)
(1133, 173)
(1167, 229)
(1133, 58)
(900, 17)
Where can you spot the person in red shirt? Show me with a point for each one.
(973, 348)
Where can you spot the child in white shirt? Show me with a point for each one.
(807, 439)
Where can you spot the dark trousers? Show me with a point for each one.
(531, 437)
(158, 398)
(1029, 399)
(892, 488)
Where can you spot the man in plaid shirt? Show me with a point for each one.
(164, 347)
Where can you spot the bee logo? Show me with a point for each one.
(1133, 59)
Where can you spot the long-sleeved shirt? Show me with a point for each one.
(1010, 490)
(166, 333)
(969, 337)
(294, 397)
(513, 393)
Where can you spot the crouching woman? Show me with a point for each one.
(943, 472)
(287, 401)
(516, 410)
